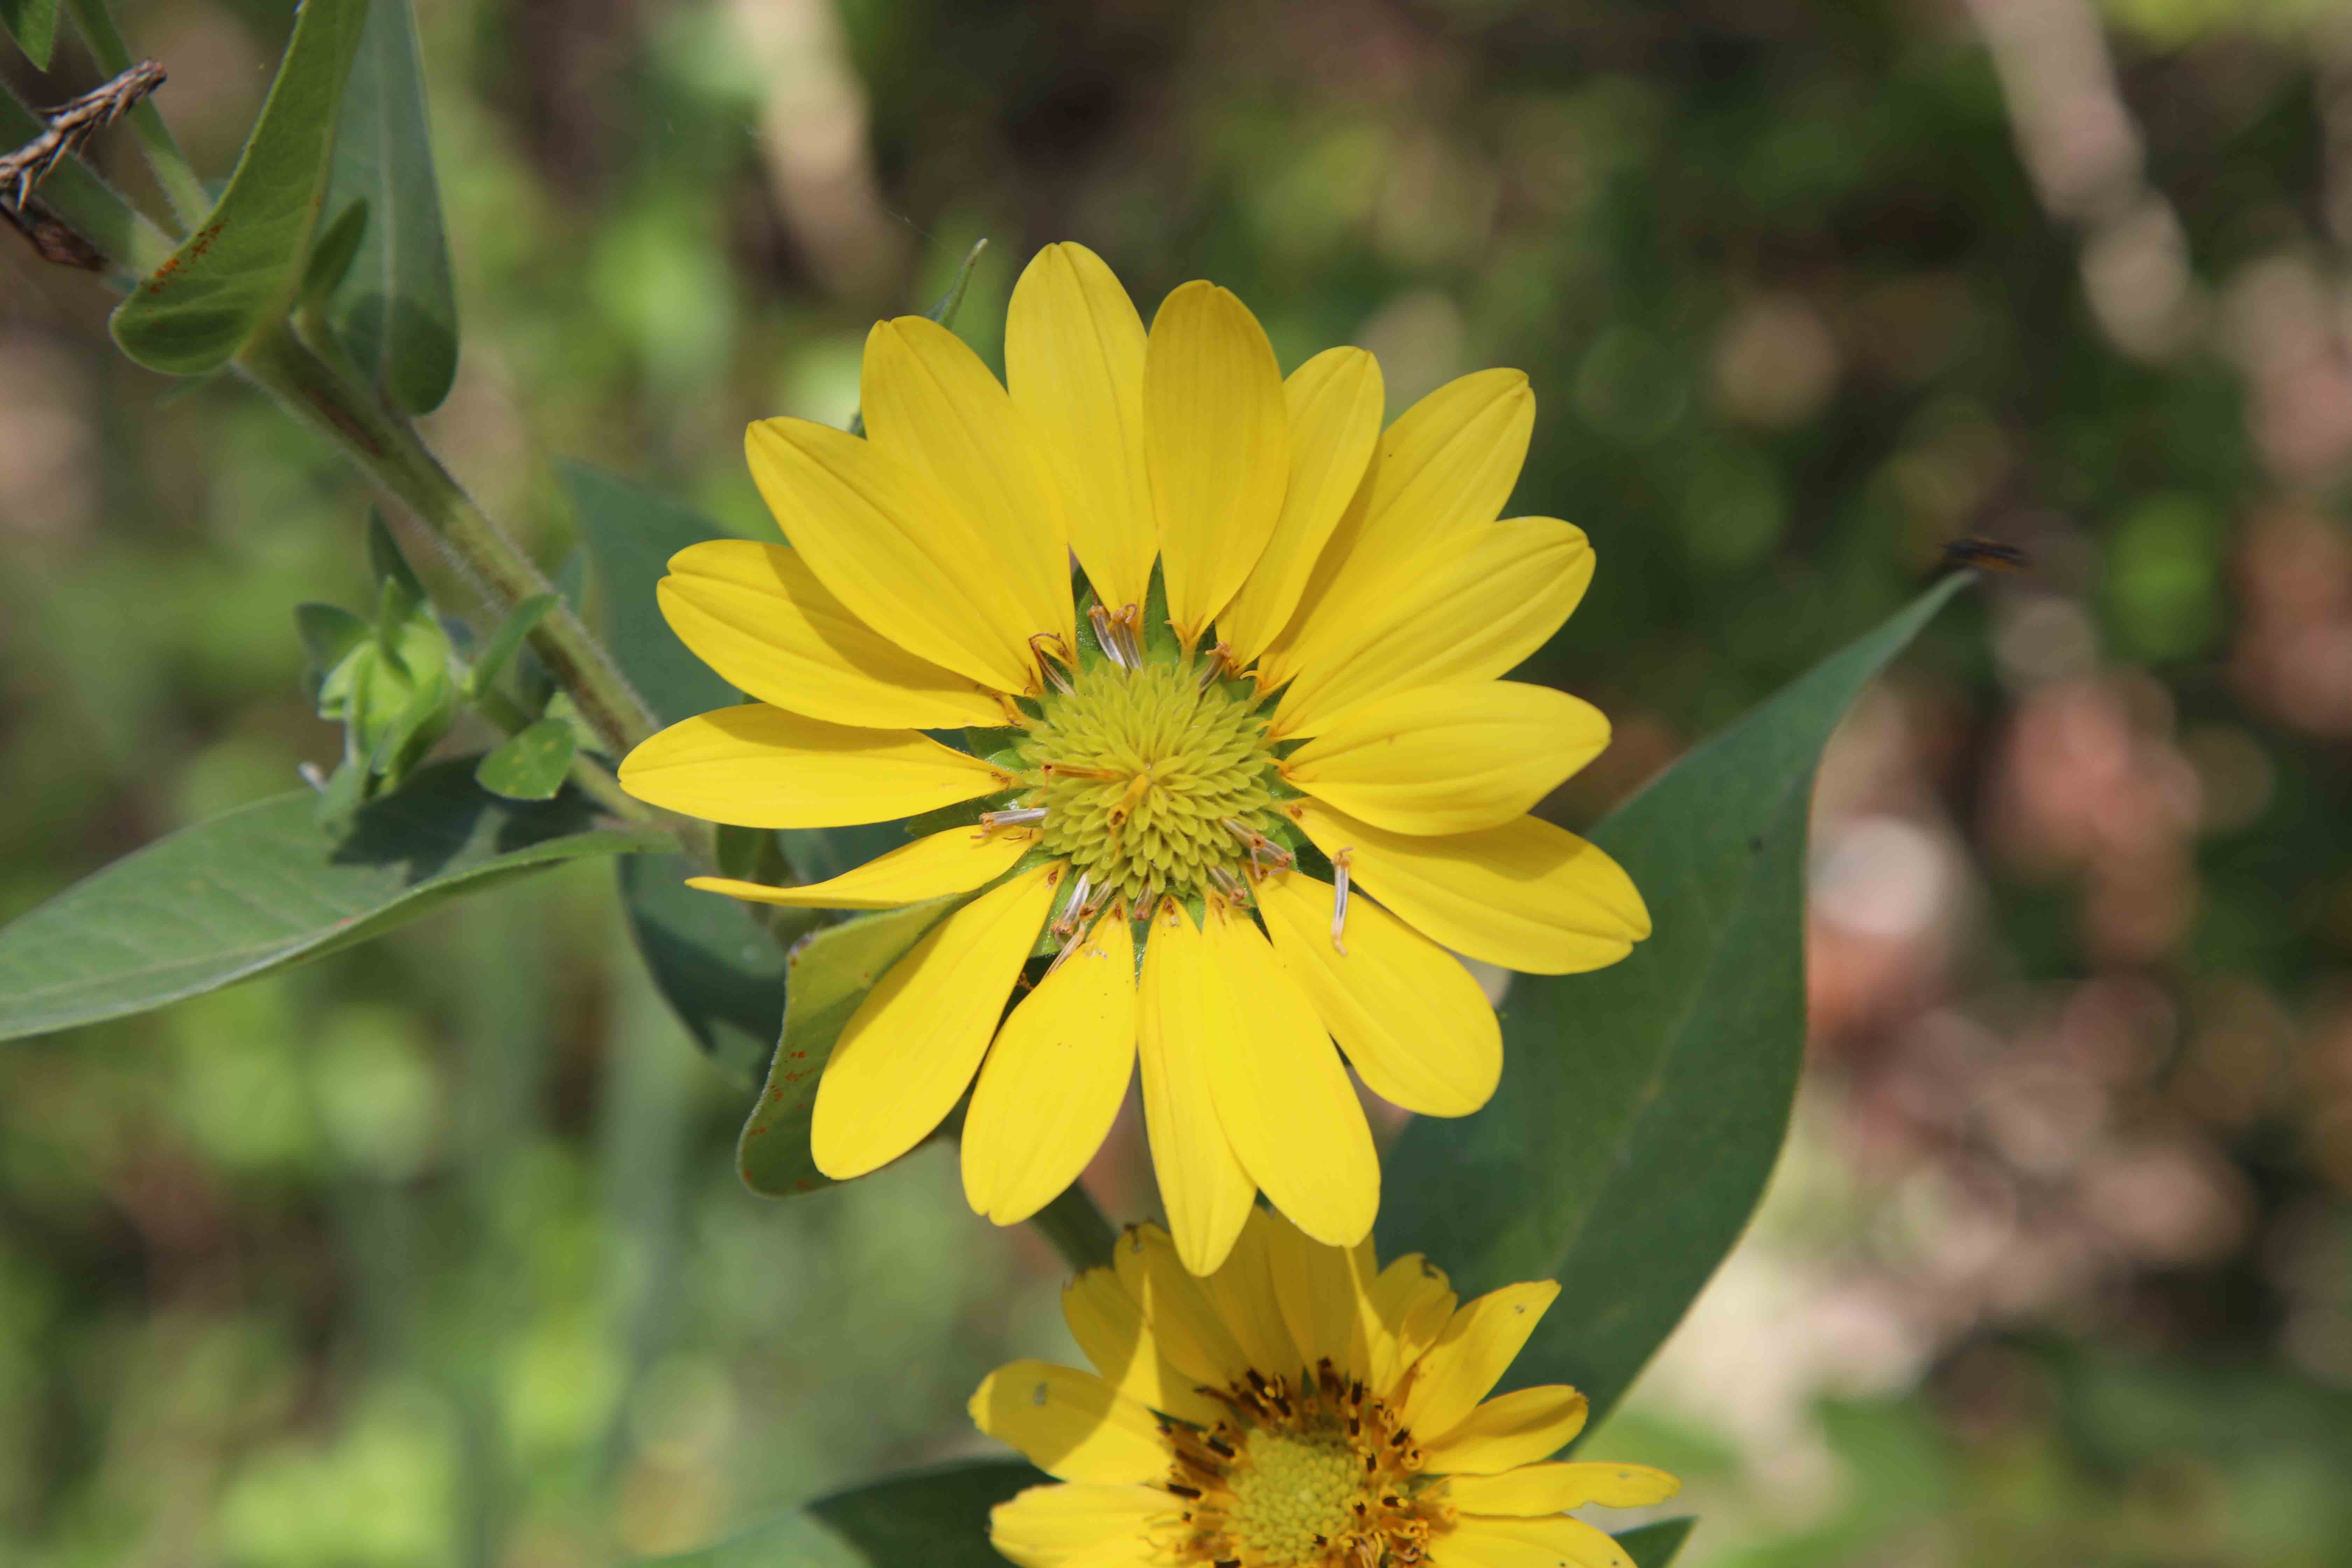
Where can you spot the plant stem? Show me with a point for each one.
(387, 449)
(1076, 1228)
(181, 187)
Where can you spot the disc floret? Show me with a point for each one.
(1152, 781)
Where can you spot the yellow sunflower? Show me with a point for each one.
(1300, 1407)
(1278, 697)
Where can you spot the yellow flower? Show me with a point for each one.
(1304, 682)
(1301, 1407)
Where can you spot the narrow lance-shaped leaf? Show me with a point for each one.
(395, 307)
(261, 887)
(239, 271)
(34, 24)
(1642, 1107)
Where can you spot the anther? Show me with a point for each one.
(1216, 665)
(1231, 887)
(1107, 637)
(1066, 770)
(1128, 626)
(1340, 864)
(1067, 921)
(992, 820)
(1181, 1490)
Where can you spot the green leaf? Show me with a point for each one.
(1642, 1107)
(328, 633)
(1656, 1545)
(389, 566)
(531, 764)
(631, 534)
(260, 887)
(34, 24)
(720, 971)
(239, 271)
(331, 256)
(829, 973)
(927, 1519)
(396, 310)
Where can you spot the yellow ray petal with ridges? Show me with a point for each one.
(1317, 1287)
(1466, 608)
(955, 861)
(1242, 1292)
(758, 616)
(1479, 1542)
(894, 550)
(1448, 464)
(1470, 1357)
(1217, 441)
(758, 766)
(930, 402)
(1526, 895)
(1533, 1490)
(1520, 1427)
(907, 1053)
(1052, 1083)
(1074, 362)
(1202, 1185)
(1190, 1332)
(1333, 402)
(1448, 759)
(1280, 1091)
(1412, 1019)
(1407, 1306)
(1083, 1523)
(1070, 1424)
(1108, 1324)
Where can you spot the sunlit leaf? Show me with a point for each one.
(529, 764)
(259, 887)
(1642, 1106)
(395, 309)
(240, 270)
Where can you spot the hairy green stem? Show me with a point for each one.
(1076, 1228)
(187, 194)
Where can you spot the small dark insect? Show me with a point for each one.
(1985, 552)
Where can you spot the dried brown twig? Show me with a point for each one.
(64, 130)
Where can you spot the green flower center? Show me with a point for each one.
(1152, 784)
(1291, 1496)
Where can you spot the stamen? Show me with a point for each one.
(1067, 921)
(1128, 626)
(1066, 770)
(1232, 886)
(1216, 665)
(1136, 788)
(1105, 635)
(993, 820)
(1340, 864)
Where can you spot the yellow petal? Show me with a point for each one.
(758, 616)
(1108, 1324)
(907, 1054)
(1448, 759)
(1334, 405)
(1053, 1080)
(758, 766)
(1526, 895)
(1509, 1430)
(1203, 1186)
(1280, 1091)
(1218, 444)
(1317, 1287)
(1074, 360)
(1407, 1306)
(1533, 1490)
(1071, 1424)
(1191, 1333)
(929, 402)
(1410, 1018)
(1241, 1293)
(955, 861)
(1477, 1541)
(1448, 464)
(1466, 608)
(1081, 1523)
(1477, 1348)
(904, 560)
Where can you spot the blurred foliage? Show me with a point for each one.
(434, 1252)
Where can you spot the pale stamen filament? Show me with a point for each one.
(1233, 886)
(1340, 864)
(1128, 626)
(1018, 817)
(1067, 921)
(1106, 635)
(1052, 654)
(1216, 665)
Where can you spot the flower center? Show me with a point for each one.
(1319, 1477)
(1152, 782)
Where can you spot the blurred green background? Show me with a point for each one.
(433, 1253)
